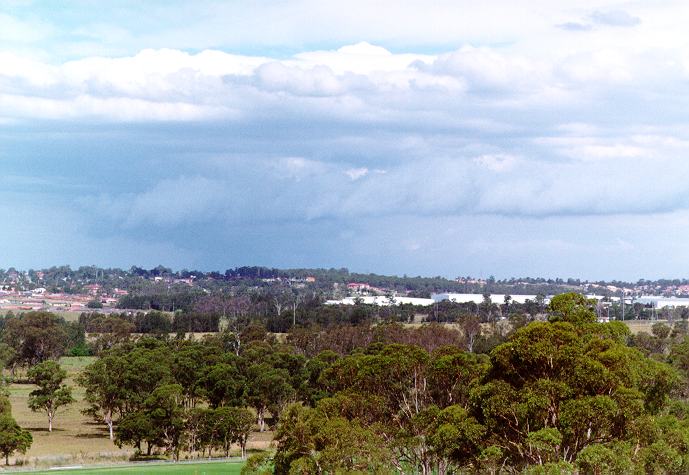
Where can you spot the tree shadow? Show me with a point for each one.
(91, 436)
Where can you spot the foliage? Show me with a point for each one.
(35, 337)
(258, 464)
(549, 396)
(12, 437)
(51, 393)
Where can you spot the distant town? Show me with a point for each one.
(62, 289)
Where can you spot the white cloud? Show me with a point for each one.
(614, 18)
(356, 173)
(359, 82)
(497, 162)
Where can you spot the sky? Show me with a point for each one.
(505, 138)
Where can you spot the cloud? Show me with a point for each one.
(601, 18)
(614, 18)
(574, 26)
(355, 83)
(497, 162)
(472, 131)
(464, 138)
(356, 173)
(599, 180)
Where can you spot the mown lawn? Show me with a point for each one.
(208, 468)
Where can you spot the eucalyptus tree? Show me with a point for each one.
(51, 393)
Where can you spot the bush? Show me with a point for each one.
(80, 350)
(258, 464)
(659, 458)
(597, 458)
(94, 304)
(555, 468)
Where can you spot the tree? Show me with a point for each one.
(51, 393)
(232, 425)
(258, 464)
(35, 337)
(573, 308)
(12, 437)
(453, 435)
(660, 330)
(223, 385)
(268, 390)
(164, 408)
(146, 366)
(103, 383)
(598, 459)
(190, 361)
(244, 424)
(160, 421)
(95, 303)
(134, 428)
(7, 354)
(471, 328)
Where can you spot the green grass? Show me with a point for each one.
(208, 468)
(75, 364)
(69, 316)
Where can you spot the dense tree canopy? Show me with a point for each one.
(358, 391)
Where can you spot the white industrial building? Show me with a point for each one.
(478, 298)
(498, 299)
(662, 302)
(382, 300)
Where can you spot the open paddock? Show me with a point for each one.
(180, 468)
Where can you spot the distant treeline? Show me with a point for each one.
(150, 322)
(139, 280)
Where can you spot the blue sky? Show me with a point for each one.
(453, 138)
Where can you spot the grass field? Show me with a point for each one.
(75, 438)
(636, 326)
(69, 316)
(207, 468)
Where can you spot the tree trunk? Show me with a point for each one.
(50, 422)
(108, 421)
(261, 421)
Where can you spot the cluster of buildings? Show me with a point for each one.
(15, 300)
